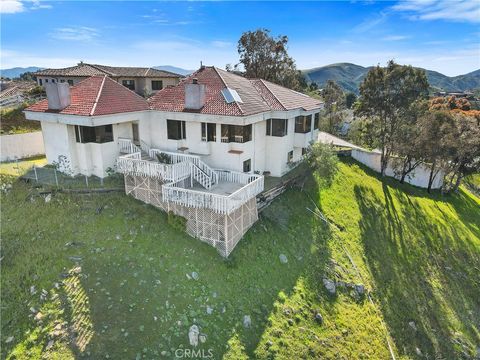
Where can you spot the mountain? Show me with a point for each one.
(349, 76)
(17, 71)
(174, 69)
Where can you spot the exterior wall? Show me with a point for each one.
(418, 177)
(19, 146)
(56, 140)
(267, 153)
(75, 79)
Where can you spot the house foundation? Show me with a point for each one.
(221, 230)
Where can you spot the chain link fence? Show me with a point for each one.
(48, 175)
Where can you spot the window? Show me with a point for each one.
(247, 165)
(62, 80)
(303, 124)
(53, 80)
(236, 133)
(290, 156)
(129, 84)
(316, 121)
(40, 82)
(46, 80)
(94, 134)
(70, 82)
(209, 132)
(176, 129)
(157, 84)
(277, 127)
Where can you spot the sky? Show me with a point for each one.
(441, 35)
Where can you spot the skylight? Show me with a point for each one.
(231, 95)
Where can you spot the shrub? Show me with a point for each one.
(323, 161)
(176, 221)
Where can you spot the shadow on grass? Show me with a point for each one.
(424, 266)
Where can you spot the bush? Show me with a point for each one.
(164, 158)
(323, 161)
(176, 221)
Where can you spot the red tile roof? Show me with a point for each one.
(257, 95)
(97, 95)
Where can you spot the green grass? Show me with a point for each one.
(14, 121)
(19, 168)
(128, 294)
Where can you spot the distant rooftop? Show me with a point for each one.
(84, 69)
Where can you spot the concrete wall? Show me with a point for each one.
(19, 146)
(418, 177)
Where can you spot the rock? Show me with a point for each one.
(195, 275)
(202, 338)
(39, 316)
(118, 237)
(193, 333)
(360, 289)
(283, 259)
(50, 344)
(318, 318)
(329, 285)
(247, 321)
(412, 325)
(9, 339)
(48, 198)
(209, 310)
(418, 351)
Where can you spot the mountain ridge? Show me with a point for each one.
(349, 76)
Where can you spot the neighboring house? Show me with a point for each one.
(144, 81)
(196, 149)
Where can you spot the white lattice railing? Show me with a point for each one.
(219, 203)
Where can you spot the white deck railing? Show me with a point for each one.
(219, 203)
(126, 146)
(184, 166)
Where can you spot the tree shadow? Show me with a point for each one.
(423, 268)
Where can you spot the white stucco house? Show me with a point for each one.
(198, 149)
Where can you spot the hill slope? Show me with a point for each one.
(17, 71)
(349, 76)
(418, 254)
(174, 69)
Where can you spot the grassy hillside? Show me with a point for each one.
(128, 293)
(349, 76)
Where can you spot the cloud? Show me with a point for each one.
(221, 44)
(395, 38)
(17, 6)
(372, 22)
(78, 33)
(11, 6)
(448, 10)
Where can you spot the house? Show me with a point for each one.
(197, 149)
(144, 81)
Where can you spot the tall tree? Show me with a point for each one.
(334, 104)
(350, 99)
(266, 57)
(386, 94)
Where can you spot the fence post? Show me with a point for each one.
(101, 182)
(18, 168)
(86, 180)
(35, 171)
(56, 179)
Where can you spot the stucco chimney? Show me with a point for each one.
(58, 95)
(194, 95)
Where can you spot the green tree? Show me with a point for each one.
(334, 104)
(386, 94)
(323, 161)
(266, 57)
(350, 99)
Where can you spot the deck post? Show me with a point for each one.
(56, 178)
(35, 171)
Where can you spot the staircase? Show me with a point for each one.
(201, 176)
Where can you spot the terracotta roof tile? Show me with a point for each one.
(257, 95)
(97, 95)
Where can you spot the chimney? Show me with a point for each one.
(194, 95)
(58, 95)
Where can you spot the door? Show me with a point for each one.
(136, 136)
